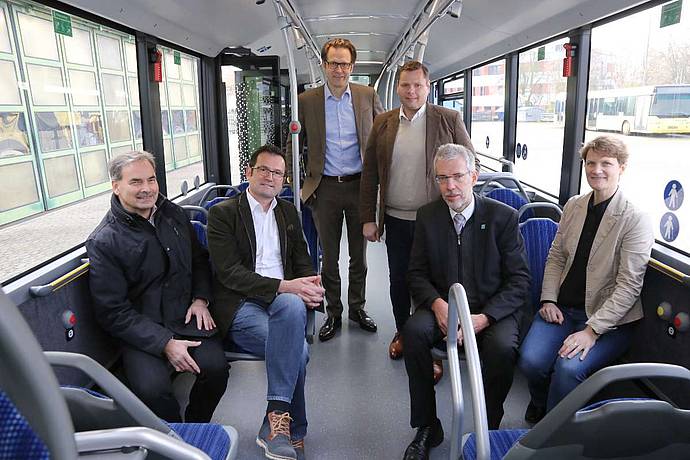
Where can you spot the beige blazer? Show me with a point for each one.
(616, 264)
(312, 117)
(443, 126)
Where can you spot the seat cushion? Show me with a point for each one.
(500, 440)
(208, 437)
(18, 440)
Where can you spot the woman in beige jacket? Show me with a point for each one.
(592, 281)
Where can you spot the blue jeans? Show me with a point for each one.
(548, 373)
(277, 333)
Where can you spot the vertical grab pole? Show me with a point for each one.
(294, 115)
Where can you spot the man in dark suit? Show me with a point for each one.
(398, 170)
(264, 282)
(336, 120)
(473, 240)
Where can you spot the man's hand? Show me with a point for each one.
(551, 313)
(199, 308)
(371, 232)
(479, 323)
(178, 355)
(308, 288)
(440, 309)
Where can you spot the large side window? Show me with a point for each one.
(181, 120)
(540, 117)
(488, 97)
(639, 92)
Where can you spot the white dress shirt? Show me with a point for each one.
(269, 262)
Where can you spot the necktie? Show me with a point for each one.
(458, 223)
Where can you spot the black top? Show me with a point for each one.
(572, 291)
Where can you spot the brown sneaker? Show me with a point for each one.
(438, 370)
(395, 350)
(274, 436)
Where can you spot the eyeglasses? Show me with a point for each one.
(455, 177)
(342, 65)
(266, 172)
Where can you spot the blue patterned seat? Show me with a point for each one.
(18, 441)
(500, 440)
(538, 233)
(511, 198)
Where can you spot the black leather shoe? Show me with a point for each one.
(327, 331)
(363, 319)
(534, 414)
(426, 438)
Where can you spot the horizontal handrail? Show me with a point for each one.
(670, 271)
(46, 289)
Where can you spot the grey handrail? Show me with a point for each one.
(105, 440)
(113, 388)
(499, 177)
(670, 271)
(539, 204)
(47, 289)
(459, 307)
(583, 393)
(212, 189)
(191, 207)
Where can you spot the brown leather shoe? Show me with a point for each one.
(395, 350)
(438, 370)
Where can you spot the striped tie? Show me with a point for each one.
(459, 223)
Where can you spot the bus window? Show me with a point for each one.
(645, 91)
(488, 98)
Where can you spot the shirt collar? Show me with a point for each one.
(254, 205)
(466, 213)
(327, 92)
(153, 214)
(420, 113)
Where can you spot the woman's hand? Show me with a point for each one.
(581, 341)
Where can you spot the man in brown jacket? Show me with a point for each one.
(336, 119)
(398, 167)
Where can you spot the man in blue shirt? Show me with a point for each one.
(336, 119)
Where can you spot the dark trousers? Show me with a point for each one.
(332, 202)
(399, 238)
(498, 345)
(150, 378)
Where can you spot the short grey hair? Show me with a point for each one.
(448, 152)
(117, 164)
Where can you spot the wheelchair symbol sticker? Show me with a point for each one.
(669, 226)
(673, 195)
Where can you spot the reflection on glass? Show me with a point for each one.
(454, 86)
(193, 143)
(38, 38)
(115, 151)
(14, 139)
(9, 90)
(114, 90)
(89, 128)
(188, 94)
(61, 175)
(172, 70)
(137, 123)
(191, 120)
(5, 45)
(54, 131)
(133, 91)
(165, 121)
(178, 121)
(94, 167)
(83, 87)
(167, 151)
(109, 52)
(78, 47)
(175, 94)
(131, 56)
(163, 94)
(187, 72)
(118, 126)
(46, 85)
(180, 148)
(488, 96)
(18, 185)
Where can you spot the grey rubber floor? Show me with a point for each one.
(357, 398)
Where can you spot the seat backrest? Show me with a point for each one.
(17, 439)
(28, 382)
(538, 234)
(200, 230)
(509, 197)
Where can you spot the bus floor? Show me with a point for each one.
(357, 398)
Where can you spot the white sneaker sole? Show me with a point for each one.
(260, 442)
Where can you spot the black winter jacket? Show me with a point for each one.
(142, 278)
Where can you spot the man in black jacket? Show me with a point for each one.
(475, 241)
(150, 285)
(264, 281)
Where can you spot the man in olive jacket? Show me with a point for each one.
(150, 285)
(264, 282)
